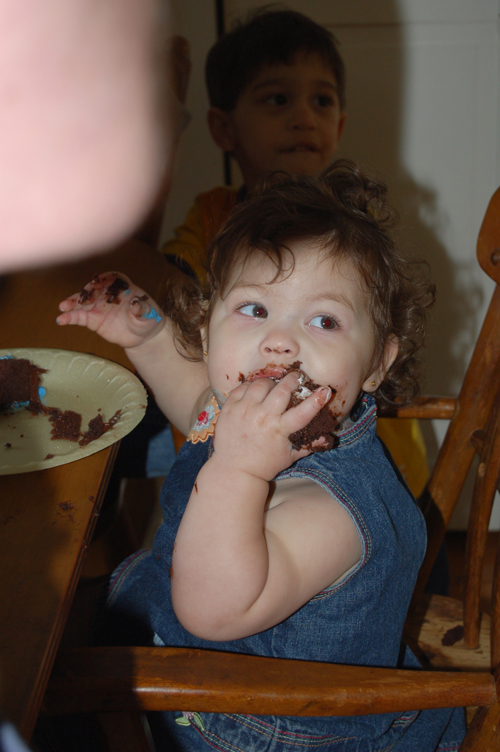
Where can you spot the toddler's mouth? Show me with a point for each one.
(323, 426)
(271, 371)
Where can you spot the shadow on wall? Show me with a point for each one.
(376, 78)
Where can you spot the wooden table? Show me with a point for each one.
(42, 546)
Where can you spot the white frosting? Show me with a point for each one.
(302, 392)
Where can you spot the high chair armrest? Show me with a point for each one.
(140, 679)
(425, 407)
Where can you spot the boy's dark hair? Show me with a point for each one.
(346, 217)
(267, 37)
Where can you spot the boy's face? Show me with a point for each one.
(288, 118)
(317, 315)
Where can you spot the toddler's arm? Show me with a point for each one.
(250, 552)
(120, 312)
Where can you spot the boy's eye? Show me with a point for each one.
(277, 99)
(255, 310)
(323, 100)
(324, 322)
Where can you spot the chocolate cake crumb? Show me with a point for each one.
(8, 445)
(97, 427)
(85, 296)
(49, 456)
(66, 425)
(66, 506)
(115, 288)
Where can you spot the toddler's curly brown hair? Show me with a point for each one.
(346, 216)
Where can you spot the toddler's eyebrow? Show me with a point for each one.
(258, 289)
(335, 297)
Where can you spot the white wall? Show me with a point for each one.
(199, 165)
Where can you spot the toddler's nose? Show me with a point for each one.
(280, 344)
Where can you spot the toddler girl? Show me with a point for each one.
(276, 540)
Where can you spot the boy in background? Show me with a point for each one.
(276, 87)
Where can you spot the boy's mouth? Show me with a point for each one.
(303, 146)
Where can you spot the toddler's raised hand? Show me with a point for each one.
(254, 426)
(115, 308)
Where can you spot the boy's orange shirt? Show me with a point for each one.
(205, 218)
(203, 221)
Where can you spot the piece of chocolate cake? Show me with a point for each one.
(66, 425)
(19, 385)
(323, 425)
(97, 427)
(20, 388)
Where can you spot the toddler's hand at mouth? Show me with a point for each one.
(320, 434)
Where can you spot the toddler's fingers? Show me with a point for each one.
(301, 415)
(280, 395)
(252, 391)
(77, 317)
(69, 303)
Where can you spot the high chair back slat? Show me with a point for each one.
(495, 610)
(136, 679)
(472, 409)
(482, 503)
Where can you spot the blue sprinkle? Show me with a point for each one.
(7, 357)
(41, 392)
(127, 292)
(151, 315)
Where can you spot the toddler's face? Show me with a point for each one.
(288, 118)
(317, 315)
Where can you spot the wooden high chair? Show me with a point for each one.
(119, 683)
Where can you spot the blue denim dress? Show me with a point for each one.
(358, 620)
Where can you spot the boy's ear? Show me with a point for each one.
(340, 126)
(374, 380)
(221, 128)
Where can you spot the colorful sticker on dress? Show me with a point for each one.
(205, 423)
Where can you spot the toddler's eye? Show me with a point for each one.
(255, 310)
(324, 322)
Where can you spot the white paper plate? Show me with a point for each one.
(74, 381)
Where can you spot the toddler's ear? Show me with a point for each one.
(204, 332)
(374, 380)
(221, 128)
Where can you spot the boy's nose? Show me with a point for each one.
(302, 116)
